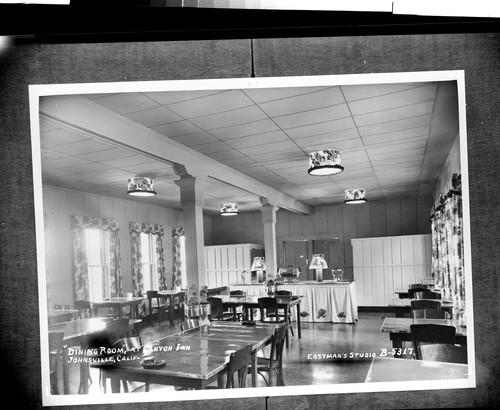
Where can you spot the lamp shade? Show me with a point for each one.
(259, 263)
(318, 262)
(141, 186)
(355, 196)
(229, 209)
(325, 162)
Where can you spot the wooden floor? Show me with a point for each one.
(303, 361)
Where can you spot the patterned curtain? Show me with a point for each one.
(78, 225)
(447, 250)
(136, 228)
(177, 232)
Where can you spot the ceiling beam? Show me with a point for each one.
(81, 115)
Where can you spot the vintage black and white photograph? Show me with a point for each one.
(244, 237)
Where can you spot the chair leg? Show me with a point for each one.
(290, 324)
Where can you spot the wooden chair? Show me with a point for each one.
(274, 362)
(286, 293)
(412, 291)
(156, 305)
(92, 344)
(56, 341)
(431, 334)
(429, 314)
(443, 353)
(239, 309)
(239, 362)
(269, 310)
(217, 310)
(427, 294)
(268, 307)
(131, 346)
(85, 308)
(425, 304)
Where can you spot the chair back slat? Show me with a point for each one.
(431, 334)
(429, 314)
(427, 294)
(425, 304)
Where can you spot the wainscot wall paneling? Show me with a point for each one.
(225, 263)
(408, 216)
(384, 265)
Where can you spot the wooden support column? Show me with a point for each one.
(192, 193)
(269, 222)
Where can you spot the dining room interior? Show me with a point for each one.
(179, 209)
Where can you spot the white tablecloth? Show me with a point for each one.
(322, 302)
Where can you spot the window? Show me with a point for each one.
(149, 261)
(97, 244)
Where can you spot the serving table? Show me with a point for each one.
(194, 358)
(399, 330)
(388, 369)
(326, 301)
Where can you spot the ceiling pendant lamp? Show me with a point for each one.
(355, 196)
(229, 209)
(325, 162)
(141, 186)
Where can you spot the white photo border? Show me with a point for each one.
(38, 91)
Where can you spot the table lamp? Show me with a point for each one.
(259, 265)
(318, 262)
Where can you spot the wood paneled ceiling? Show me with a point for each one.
(394, 139)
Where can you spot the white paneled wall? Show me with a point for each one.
(386, 264)
(224, 263)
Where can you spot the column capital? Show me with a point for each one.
(268, 213)
(192, 190)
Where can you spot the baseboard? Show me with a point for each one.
(375, 309)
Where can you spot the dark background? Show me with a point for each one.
(129, 41)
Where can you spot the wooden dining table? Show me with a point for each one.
(399, 331)
(118, 303)
(194, 358)
(388, 369)
(249, 303)
(402, 307)
(61, 315)
(74, 332)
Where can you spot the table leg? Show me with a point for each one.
(298, 322)
(254, 369)
(65, 371)
(84, 379)
(115, 384)
(171, 310)
(397, 344)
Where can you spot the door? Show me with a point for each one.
(295, 255)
